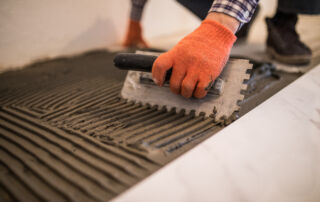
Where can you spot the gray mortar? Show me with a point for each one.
(66, 135)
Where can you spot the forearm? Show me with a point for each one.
(240, 10)
(137, 9)
(226, 20)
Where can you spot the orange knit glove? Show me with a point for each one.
(134, 36)
(197, 60)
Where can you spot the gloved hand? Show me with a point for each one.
(197, 60)
(134, 36)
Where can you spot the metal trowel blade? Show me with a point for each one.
(221, 105)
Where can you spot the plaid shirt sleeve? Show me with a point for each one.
(242, 10)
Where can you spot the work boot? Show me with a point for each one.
(283, 42)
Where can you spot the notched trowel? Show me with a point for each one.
(222, 101)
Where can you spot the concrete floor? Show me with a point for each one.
(58, 99)
(72, 106)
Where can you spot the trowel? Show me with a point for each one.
(222, 101)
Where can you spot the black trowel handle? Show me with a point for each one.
(137, 62)
(133, 61)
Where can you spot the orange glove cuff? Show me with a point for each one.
(214, 31)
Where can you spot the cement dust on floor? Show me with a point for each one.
(66, 135)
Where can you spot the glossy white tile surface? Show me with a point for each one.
(270, 154)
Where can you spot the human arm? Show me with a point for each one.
(134, 36)
(198, 59)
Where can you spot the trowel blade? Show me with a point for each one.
(221, 107)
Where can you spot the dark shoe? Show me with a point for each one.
(283, 42)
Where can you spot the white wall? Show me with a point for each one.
(37, 29)
(34, 29)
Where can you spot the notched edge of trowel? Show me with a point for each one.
(244, 87)
(142, 94)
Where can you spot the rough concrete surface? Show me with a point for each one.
(66, 135)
